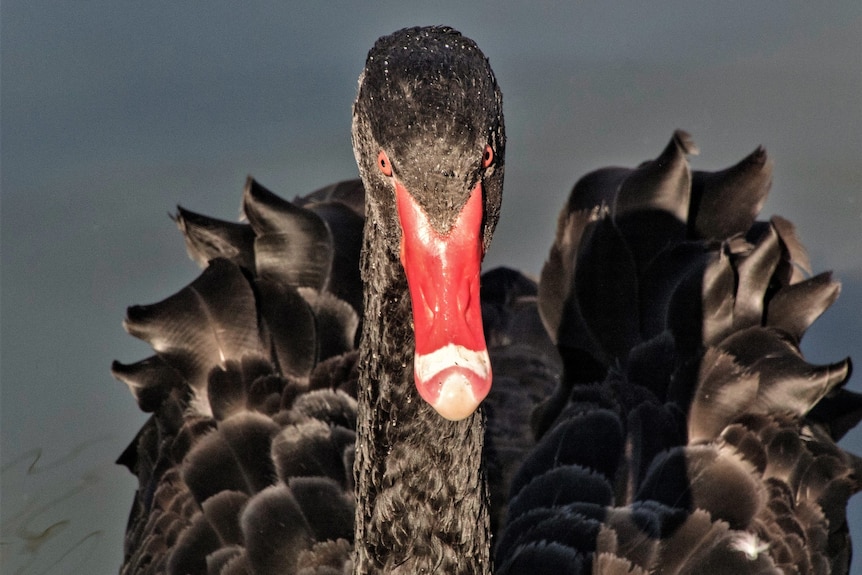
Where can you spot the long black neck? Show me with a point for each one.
(422, 499)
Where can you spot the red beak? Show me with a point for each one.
(451, 367)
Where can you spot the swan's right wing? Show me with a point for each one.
(245, 464)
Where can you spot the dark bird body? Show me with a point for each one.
(650, 410)
(686, 434)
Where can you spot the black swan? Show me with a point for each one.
(276, 446)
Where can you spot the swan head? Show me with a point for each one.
(429, 140)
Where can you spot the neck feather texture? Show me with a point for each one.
(422, 498)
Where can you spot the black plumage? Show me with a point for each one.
(669, 283)
(656, 416)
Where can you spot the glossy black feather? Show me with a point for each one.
(291, 325)
(342, 208)
(210, 321)
(222, 512)
(292, 245)
(727, 202)
(350, 193)
(209, 238)
(607, 293)
(150, 380)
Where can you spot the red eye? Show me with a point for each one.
(487, 156)
(383, 164)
